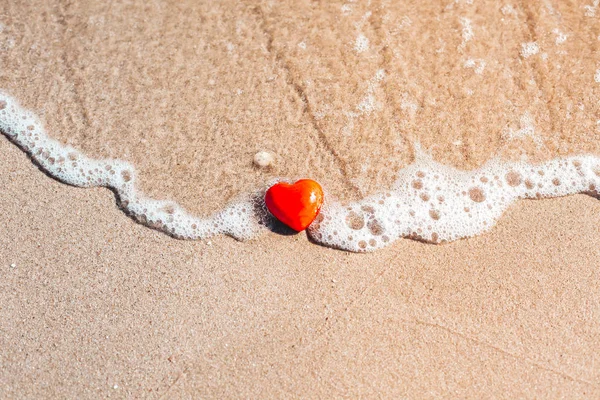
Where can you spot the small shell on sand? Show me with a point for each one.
(263, 159)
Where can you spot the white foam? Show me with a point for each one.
(477, 64)
(429, 201)
(437, 203)
(590, 10)
(369, 103)
(526, 129)
(361, 43)
(529, 49)
(560, 37)
(240, 219)
(467, 32)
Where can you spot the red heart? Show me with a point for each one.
(295, 205)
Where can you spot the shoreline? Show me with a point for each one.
(90, 287)
(95, 305)
(425, 202)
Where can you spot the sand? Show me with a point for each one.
(94, 305)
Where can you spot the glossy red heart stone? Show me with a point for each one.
(295, 205)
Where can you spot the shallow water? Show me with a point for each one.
(429, 201)
(186, 92)
(338, 91)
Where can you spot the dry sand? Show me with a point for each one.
(97, 306)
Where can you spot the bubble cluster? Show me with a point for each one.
(429, 201)
(436, 203)
(241, 219)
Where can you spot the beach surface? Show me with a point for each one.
(94, 305)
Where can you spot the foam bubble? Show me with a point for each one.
(241, 219)
(560, 37)
(478, 65)
(436, 203)
(467, 32)
(529, 49)
(429, 201)
(361, 44)
(590, 10)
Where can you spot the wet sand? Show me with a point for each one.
(96, 300)
(189, 92)
(97, 305)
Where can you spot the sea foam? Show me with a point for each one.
(436, 203)
(239, 219)
(429, 201)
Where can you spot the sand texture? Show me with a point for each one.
(189, 91)
(94, 305)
